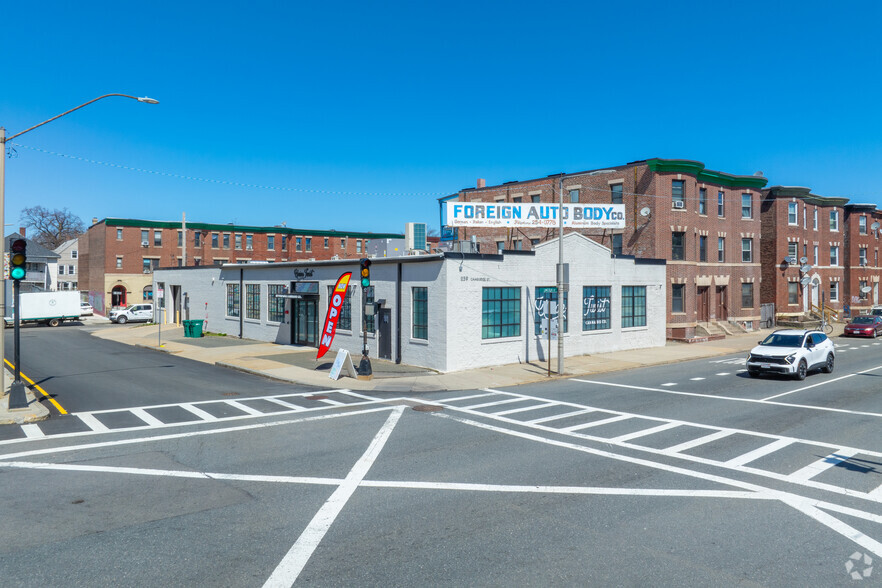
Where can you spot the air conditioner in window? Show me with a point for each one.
(679, 204)
(144, 243)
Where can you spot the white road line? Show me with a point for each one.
(876, 494)
(32, 431)
(494, 403)
(696, 379)
(203, 402)
(332, 402)
(670, 384)
(281, 402)
(523, 409)
(205, 416)
(244, 408)
(733, 398)
(644, 432)
(91, 422)
(758, 453)
(555, 417)
(825, 382)
(802, 504)
(813, 469)
(186, 434)
(146, 417)
(292, 564)
(457, 399)
(614, 419)
(696, 442)
(724, 374)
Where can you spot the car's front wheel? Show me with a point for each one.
(828, 365)
(121, 320)
(801, 370)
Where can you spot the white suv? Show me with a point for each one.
(792, 352)
(135, 313)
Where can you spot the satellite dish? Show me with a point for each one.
(866, 289)
(805, 268)
(803, 260)
(645, 211)
(805, 280)
(875, 226)
(786, 260)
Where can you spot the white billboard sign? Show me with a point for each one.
(500, 214)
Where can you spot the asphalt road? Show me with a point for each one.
(646, 477)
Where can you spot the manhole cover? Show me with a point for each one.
(316, 397)
(428, 408)
(230, 394)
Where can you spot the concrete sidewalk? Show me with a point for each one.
(298, 364)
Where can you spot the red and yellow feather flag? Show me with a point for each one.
(334, 305)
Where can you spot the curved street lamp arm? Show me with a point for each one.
(144, 99)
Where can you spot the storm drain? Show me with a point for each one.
(427, 408)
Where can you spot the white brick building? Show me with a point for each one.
(447, 312)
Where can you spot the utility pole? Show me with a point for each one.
(560, 280)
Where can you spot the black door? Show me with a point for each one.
(304, 327)
(385, 344)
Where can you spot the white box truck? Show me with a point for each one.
(51, 308)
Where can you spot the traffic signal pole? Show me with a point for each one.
(18, 398)
(364, 366)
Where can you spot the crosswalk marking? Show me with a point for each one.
(145, 416)
(700, 441)
(758, 453)
(281, 402)
(244, 408)
(92, 422)
(205, 416)
(32, 431)
(614, 419)
(813, 469)
(523, 409)
(494, 403)
(555, 417)
(644, 432)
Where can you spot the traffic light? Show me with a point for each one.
(365, 273)
(18, 257)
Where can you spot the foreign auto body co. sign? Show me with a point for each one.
(588, 216)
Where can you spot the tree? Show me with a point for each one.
(51, 228)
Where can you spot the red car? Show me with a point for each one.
(864, 326)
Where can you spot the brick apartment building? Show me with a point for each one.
(862, 224)
(117, 256)
(705, 224)
(803, 250)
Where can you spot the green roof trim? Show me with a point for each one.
(804, 194)
(132, 222)
(696, 168)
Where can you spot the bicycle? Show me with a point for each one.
(828, 328)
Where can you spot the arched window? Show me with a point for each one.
(148, 293)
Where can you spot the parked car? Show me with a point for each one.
(792, 352)
(134, 313)
(864, 326)
(86, 309)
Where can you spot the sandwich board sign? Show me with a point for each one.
(341, 363)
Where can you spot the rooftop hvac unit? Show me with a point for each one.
(415, 236)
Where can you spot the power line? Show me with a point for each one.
(223, 182)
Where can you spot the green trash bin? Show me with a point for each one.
(196, 328)
(187, 328)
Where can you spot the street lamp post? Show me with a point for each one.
(17, 398)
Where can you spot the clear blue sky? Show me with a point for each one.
(360, 114)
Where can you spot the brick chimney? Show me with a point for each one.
(482, 182)
(21, 231)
